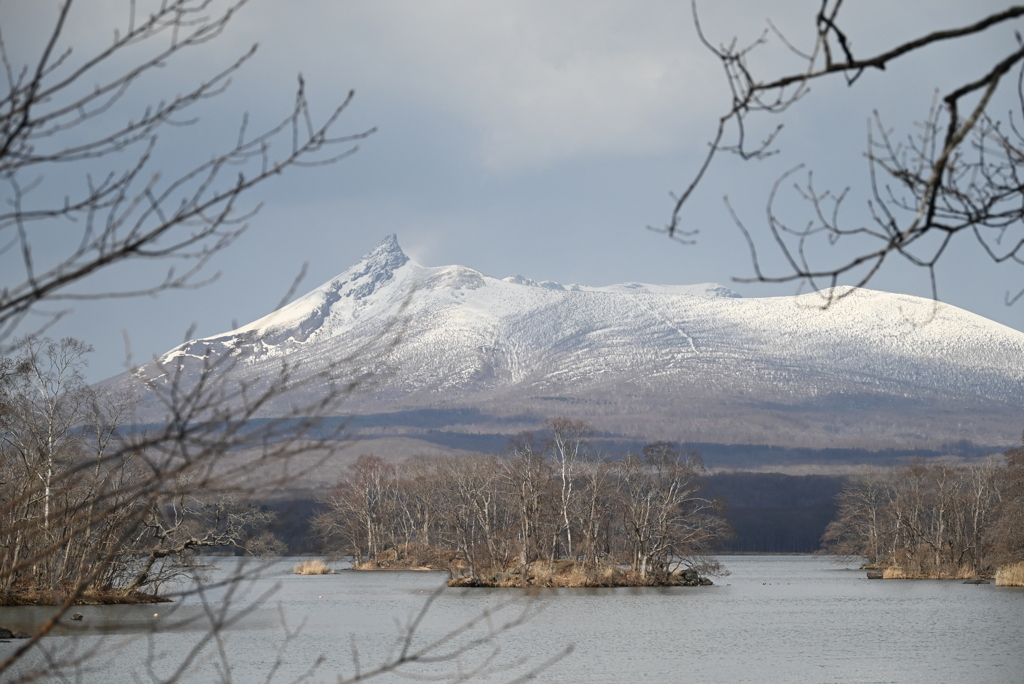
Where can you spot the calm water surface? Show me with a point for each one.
(774, 619)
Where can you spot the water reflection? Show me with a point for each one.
(774, 619)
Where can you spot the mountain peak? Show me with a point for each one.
(387, 254)
(374, 269)
(644, 361)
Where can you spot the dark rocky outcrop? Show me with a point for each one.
(16, 634)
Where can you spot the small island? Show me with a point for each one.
(935, 521)
(558, 573)
(566, 573)
(554, 514)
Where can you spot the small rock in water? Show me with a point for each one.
(77, 616)
(16, 634)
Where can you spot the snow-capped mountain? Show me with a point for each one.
(467, 353)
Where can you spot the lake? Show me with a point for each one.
(774, 619)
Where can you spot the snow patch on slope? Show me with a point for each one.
(698, 290)
(468, 339)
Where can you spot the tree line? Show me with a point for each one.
(88, 508)
(543, 501)
(934, 520)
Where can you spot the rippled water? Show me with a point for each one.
(774, 619)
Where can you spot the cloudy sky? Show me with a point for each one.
(532, 137)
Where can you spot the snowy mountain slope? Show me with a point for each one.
(696, 363)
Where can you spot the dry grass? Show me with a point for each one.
(898, 572)
(966, 572)
(1010, 575)
(564, 573)
(365, 565)
(567, 573)
(412, 557)
(311, 567)
(895, 572)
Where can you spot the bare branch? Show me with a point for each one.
(961, 174)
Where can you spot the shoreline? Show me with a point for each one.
(90, 599)
(570, 574)
(471, 583)
(562, 573)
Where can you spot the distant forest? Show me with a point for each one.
(775, 513)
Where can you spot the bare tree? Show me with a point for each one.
(173, 531)
(362, 514)
(1007, 532)
(666, 520)
(594, 511)
(926, 520)
(861, 524)
(46, 400)
(64, 473)
(75, 522)
(528, 477)
(568, 448)
(957, 178)
(493, 521)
